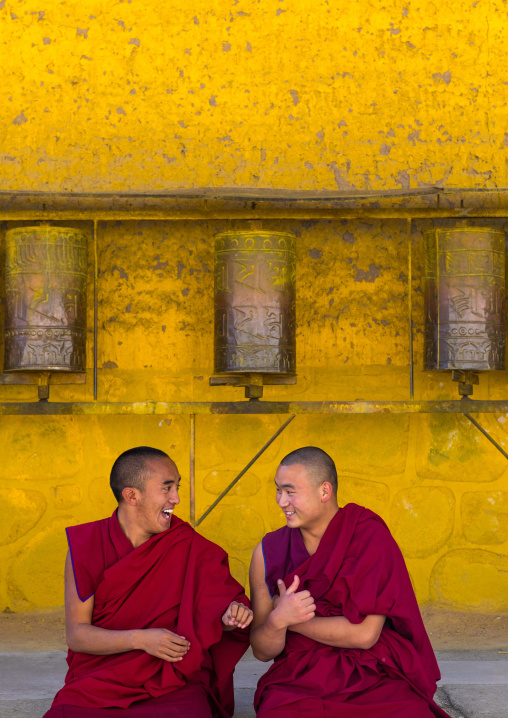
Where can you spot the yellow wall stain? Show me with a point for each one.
(291, 94)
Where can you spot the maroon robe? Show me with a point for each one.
(176, 580)
(356, 571)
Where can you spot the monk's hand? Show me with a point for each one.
(161, 643)
(237, 616)
(293, 606)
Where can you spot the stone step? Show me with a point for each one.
(469, 688)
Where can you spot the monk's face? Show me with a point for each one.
(160, 496)
(299, 497)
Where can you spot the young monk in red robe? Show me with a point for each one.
(149, 607)
(334, 606)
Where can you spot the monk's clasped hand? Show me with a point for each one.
(161, 643)
(293, 606)
(237, 616)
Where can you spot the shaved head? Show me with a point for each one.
(319, 466)
(131, 469)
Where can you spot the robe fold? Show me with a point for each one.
(176, 580)
(357, 570)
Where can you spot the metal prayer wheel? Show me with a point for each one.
(465, 324)
(45, 277)
(255, 321)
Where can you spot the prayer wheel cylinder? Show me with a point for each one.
(45, 277)
(255, 321)
(464, 290)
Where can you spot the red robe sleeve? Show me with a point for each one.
(85, 540)
(93, 548)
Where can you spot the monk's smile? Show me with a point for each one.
(166, 514)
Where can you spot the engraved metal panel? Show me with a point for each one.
(45, 319)
(255, 321)
(464, 294)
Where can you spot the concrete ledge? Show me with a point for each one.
(474, 672)
(25, 709)
(31, 676)
(474, 684)
(474, 701)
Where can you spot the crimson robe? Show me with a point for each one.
(357, 570)
(176, 580)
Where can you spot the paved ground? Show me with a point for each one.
(474, 683)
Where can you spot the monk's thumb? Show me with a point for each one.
(294, 586)
(281, 586)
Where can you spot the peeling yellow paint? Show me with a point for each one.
(293, 94)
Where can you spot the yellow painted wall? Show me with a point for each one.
(153, 95)
(292, 93)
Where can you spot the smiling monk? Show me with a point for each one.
(155, 622)
(334, 606)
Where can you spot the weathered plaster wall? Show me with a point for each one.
(153, 95)
(442, 488)
(289, 93)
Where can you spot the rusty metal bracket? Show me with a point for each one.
(486, 434)
(466, 380)
(245, 469)
(253, 383)
(43, 385)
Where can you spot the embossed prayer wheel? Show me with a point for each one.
(45, 277)
(465, 323)
(255, 319)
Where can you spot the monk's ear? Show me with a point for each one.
(130, 496)
(326, 491)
